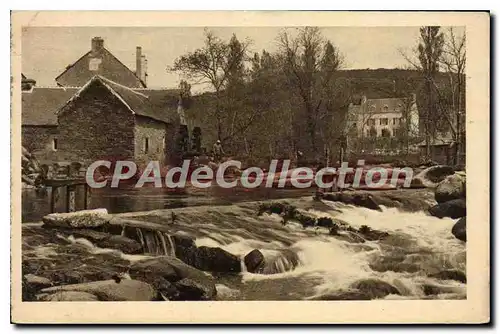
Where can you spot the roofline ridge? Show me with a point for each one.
(58, 87)
(120, 85)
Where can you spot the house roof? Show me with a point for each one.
(378, 105)
(40, 104)
(441, 139)
(160, 105)
(78, 73)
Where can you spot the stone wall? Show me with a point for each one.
(96, 126)
(39, 141)
(154, 132)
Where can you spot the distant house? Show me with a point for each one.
(101, 120)
(381, 117)
(100, 61)
(371, 119)
(442, 149)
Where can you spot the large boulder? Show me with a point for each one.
(165, 273)
(68, 296)
(452, 187)
(432, 176)
(78, 219)
(216, 259)
(37, 282)
(459, 230)
(112, 290)
(454, 209)
(375, 288)
(122, 243)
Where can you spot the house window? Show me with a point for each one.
(384, 121)
(54, 144)
(386, 133)
(146, 145)
(386, 108)
(396, 121)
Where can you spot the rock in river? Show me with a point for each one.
(452, 187)
(454, 209)
(459, 230)
(217, 260)
(68, 296)
(110, 290)
(78, 219)
(375, 288)
(254, 261)
(162, 272)
(124, 244)
(430, 177)
(451, 274)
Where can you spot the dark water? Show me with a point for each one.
(36, 203)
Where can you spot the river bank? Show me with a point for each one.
(252, 251)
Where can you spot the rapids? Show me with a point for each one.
(309, 263)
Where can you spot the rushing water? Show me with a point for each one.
(300, 263)
(307, 263)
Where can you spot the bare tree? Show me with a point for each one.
(214, 64)
(310, 63)
(454, 61)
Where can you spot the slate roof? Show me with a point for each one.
(393, 105)
(78, 73)
(40, 105)
(158, 104)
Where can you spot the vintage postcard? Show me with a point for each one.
(250, 167)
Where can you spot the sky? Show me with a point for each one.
(46, 51)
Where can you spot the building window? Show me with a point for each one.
(384, 121)
(54, 144)
(386, 133)
(146, 145)
(396, 121)
(94, 64)
(386, 108)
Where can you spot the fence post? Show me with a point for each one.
(70, 198)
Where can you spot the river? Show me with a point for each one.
(301, 263)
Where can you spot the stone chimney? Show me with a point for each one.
(141, 65)
(138, 62)
(144, 69)
(97, 44)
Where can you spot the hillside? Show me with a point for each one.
(384, 83)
